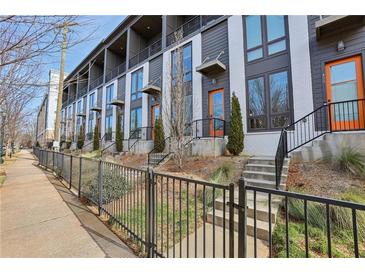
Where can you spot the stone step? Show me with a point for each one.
(262, 228)
(268, 176)
(262, 209)
(263, 183)
(264, 168)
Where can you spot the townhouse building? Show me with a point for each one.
(281, 68)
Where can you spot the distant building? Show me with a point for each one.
(47, 111)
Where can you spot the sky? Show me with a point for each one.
(104, 25)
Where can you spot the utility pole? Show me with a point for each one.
(56, 142)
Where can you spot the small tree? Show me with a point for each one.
(118, 136)
(81, 138)
(159, 136)
(96, 138)
(235, 138)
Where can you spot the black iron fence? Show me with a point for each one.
(208, 128)
(170, 216)
(330, 117)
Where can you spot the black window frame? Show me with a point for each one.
(267, 104)
(264, 39)
(138, 92)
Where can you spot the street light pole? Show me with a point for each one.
(2, 133)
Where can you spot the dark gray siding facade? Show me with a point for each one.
(215, 40)
(121, 92)
(325, 50)
(155, 77)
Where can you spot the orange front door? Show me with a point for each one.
(155, 113)
(344, 83)
(216, 110)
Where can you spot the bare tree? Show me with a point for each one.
(175, 111)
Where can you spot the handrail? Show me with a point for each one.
(316, 124)
(139, 131)
(163, 143)
(145, 53)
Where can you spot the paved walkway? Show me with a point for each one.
(39, 217)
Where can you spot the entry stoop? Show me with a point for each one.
(259, 172)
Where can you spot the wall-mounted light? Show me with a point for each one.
(214, 81)
(340, 45)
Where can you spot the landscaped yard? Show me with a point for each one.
(326, 180)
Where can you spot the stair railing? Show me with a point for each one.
(333, 116)
(158, 148)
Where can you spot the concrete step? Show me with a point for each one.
(262, 228)
(263, 183)
(263, 168)
(262, 209)
(268, 176)
(264, 160)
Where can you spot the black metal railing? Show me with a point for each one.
(185, 29)
(307, 211)
(206, 19)
(141, 133)
(97, 82)
(330, 117)
(171, 216)
(207, 128)
(164, 147)
(145, 53)
(115, 72)
(81, 92)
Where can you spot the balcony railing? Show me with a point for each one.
(115, 72)
(81, 92)
(145, 53)
(97, 82)
(187, 28)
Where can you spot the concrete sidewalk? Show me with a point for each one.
(39, 217)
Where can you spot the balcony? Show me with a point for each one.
(97, 82)
(145, 53)
(185, 29)
(81, 92)
(116, 72)
(153, 88)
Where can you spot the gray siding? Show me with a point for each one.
(155, 71)
(121, 92)
(215, 40)
(325, 50)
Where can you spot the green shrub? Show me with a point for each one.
(96, 144)
(350, 160)
(118, 136)
(221, 174)
(159, 136)
(37, 144)
(236, 136)
(81, 138)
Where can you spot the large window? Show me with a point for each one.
(109, 111)
(78, 119)
(136, 119)
(187, 78)
(268, 101)
(91, 121)
(265, 36)
(137, 84)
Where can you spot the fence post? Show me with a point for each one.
(329, 117)
(100, 187)
(231, 220)
(46, 159)
(150, 207)
(52, 160)
(79, 190)
(71, 171)
(242, 219)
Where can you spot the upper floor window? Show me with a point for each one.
(265, 36)
(137, 84)
(186, 60)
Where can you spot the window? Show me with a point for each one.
(91, 121)
(137, 84)
(109, 112)
(270, 111)
(187, 63)
(265, 36)
(136, 119)
(78, 119)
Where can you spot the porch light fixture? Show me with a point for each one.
(340, 45)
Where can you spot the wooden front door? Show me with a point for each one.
(155, 113)
(216, 110)
(344, 82)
